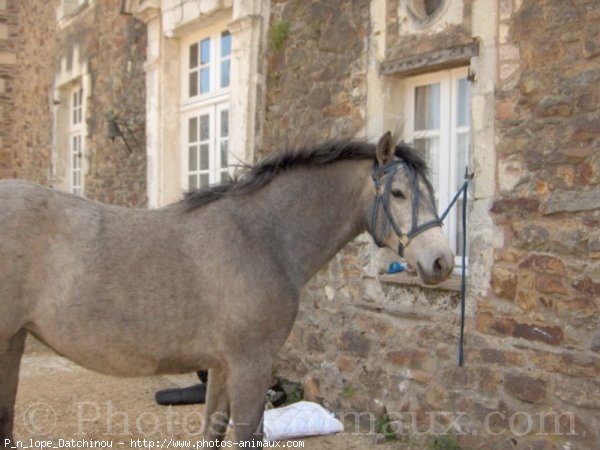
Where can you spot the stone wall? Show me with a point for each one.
(546, 276)
(113, 45)
(26, 77)
(530, 378)
(8, 32)
(316, 85)
(404, 40)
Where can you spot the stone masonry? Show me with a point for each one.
(27, 37)
(317, 77)
(113, 46)
(546, 276)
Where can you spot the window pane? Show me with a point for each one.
(204, 180)
(427, 107)
(204, 51)
(463, 114)
(204, 157)
(193, 56)
(193, 84)
(225, 68)
(193, 158)
(459, 228)
(430, 149)
(224, 154)
(224, 176)
(193, 182)
(462, 150)
(224, 123)
(204, 80)
(225, 44)
(204, 127)
(193, 130)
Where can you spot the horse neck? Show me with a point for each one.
(307, 215)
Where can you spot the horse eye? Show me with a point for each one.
(398, 193)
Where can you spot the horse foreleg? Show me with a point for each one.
(10, 359)
(247, 384)
(217, 405)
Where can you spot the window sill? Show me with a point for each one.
(451, 284)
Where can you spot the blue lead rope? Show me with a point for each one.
(462, 191)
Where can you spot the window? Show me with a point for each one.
(207, 146)
(205, 110)
(76, 140)
(438, 122)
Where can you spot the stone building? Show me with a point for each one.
(68, 69)
(507, 87)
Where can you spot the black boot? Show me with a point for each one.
(184, 396)
(197, 394)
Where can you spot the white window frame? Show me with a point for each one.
(221, 139)
(212, 102)
(448, 179)
(76, 139)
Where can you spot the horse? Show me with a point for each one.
(210, 281)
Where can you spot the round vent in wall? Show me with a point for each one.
(425, 11)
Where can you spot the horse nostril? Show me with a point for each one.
(439, 266)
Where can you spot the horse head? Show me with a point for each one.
(404, 215)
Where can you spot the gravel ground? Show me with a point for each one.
(60, 400)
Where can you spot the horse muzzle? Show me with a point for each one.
(437, 270)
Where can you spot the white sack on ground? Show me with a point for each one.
(300, 419)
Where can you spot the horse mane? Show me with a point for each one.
(254, 176)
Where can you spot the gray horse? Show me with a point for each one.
(212, 281)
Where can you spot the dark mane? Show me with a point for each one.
(255, 176)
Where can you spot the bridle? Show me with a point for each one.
(382, 201)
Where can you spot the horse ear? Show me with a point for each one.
(385, 149)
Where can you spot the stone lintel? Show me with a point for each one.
(431, 61)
